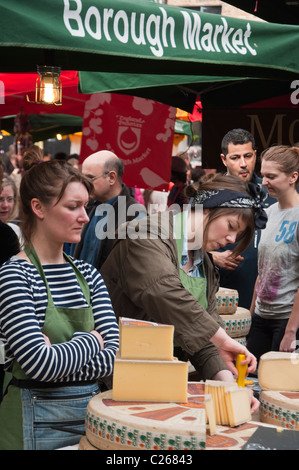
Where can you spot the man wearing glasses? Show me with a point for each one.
(112, 205)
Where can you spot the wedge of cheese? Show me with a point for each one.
(238, 406)
(145, 340)
(279, 371)
(154, 381)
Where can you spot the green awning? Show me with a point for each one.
(142, 37)
(175, 90)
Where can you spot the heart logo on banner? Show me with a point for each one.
(137, 130)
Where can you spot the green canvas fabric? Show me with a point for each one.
(141, 37)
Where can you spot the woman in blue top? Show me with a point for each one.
(56, 317)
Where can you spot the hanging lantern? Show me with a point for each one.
(48, 88)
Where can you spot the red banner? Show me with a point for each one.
(137, 130)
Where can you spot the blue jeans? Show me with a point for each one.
(44, 411)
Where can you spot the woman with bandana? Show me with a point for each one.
(161, 270)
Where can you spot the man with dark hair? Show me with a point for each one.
(231, 141)
(110, 207)
(240, 273)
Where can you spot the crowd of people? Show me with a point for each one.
(79, 251)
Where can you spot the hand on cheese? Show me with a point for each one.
(229, 349)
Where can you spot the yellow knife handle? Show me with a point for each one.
(242, 370)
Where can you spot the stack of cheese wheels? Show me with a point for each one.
(236, 320)
(278, 375)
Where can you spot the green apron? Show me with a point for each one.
(60, 325)
(197, 286)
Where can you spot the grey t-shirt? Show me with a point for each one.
(278, 263)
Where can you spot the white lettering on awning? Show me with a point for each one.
(157, 31)
(217, 38)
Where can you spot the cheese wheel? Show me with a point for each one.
(226, 300)
(121, 425)
(237, 324)
(280, 409)
(279, 371)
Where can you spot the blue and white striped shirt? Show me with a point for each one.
(23, 302)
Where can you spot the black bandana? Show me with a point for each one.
(228, 198)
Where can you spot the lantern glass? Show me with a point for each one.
(48, 87)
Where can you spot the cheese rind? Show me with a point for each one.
(280, 409)
(155, 381)
(145, 340)
(279, 371)
(237, 324)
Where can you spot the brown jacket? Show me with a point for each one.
(142, 277)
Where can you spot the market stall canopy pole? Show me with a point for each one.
(141, 37)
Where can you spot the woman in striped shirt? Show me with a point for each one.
(56, 317)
